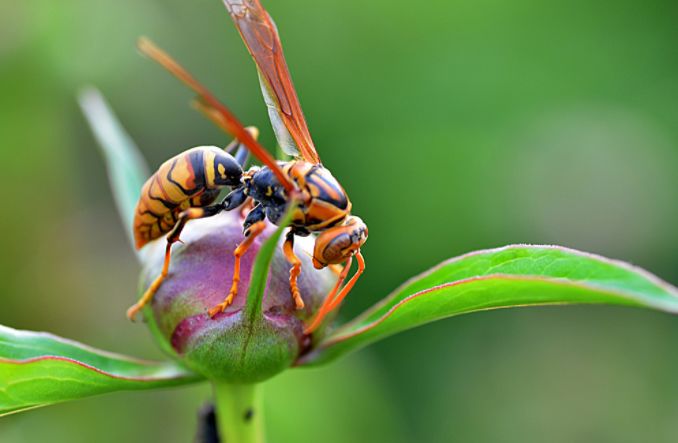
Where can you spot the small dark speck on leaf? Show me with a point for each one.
(249, 414)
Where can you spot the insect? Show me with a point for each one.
(185, 187)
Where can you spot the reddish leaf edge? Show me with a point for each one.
(142, 375)
(620, 263)
(345, 332)
(67, 341)
(178, 375)
(434, 289)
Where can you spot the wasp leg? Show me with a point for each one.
(172, 237)
(254, 225)
(288, 249)
(332, 295)
(234, 198)
(331, 303)
(349, 286)
(328, 300)
(256, 215)
(238, 198)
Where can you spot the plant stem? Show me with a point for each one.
(239, 413)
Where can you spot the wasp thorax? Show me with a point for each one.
(228, 346)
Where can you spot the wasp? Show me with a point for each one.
(186, 187)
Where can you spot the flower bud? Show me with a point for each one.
(229, 346)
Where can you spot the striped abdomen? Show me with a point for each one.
(191, 179)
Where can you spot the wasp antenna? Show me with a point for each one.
(214, 109)
(217, 118)
(209, 112)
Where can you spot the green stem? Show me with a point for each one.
(239, 413)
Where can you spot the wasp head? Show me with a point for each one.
(337, 244)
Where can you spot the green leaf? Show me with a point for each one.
(512, 276)
(38, 369)
(127, 170)
(262, 264)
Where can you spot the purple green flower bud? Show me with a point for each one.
(229, 347)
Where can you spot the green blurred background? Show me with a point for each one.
(454, 125)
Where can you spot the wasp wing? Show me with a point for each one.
(285, 139)
(263, 42)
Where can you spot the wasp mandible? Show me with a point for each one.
(185, 187)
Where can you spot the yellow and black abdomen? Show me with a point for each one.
(190, 179)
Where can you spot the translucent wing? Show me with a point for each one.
(262, 40)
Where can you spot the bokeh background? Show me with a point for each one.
(454, 125)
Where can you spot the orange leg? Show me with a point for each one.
(153, 288)
(288, 249)
(340, 281)
(172, 237)
(349, 286)
(332, 302)
(251, 234)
